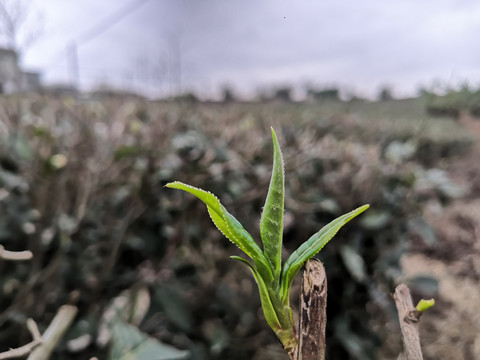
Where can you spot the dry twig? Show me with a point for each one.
(409, 317)
(25, 349)
(14, 255)
(55, 331)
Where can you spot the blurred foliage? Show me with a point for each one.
(283, 93)
(453, 101)
(81, 186)
(385, 93)
(325, 94)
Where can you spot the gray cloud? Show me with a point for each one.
(250, 42)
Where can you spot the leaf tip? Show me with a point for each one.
(364, 207)
(174, 185)
(361, 209)
(274, 134)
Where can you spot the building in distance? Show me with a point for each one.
(12, 78)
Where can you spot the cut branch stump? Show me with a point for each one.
(409, 317)
(313, 313)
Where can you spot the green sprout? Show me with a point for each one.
(424, 305)
(274, 282)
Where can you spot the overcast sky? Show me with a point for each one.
(203, 44)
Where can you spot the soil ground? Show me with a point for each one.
(452, 330)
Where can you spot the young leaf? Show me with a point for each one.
(309, 248)
(230, 227)
(271, 222)
(424, 305)
(267, 306)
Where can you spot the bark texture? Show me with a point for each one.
(409, 318)
(313, 317)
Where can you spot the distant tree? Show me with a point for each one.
(21, 25)
(283, 94)
(227, 94)
(385, 93)
(323, 94)
(186, 97)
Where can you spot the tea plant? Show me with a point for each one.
(274, 281)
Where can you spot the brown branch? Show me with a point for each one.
(33, 328)
(24, 350)
(14, 255)
(55, 331)
(21, 351)
(313, 316)
(409, 317)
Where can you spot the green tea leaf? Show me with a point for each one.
(309, 248)
(267, 306)
(271, 222)
(230, 227)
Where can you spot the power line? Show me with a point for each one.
(95, 32)
(109, 22)
(102, 27)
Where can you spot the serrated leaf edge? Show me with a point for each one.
(296, 260)
(251, 248)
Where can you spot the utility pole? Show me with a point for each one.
(73, 64)
(92, 34)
